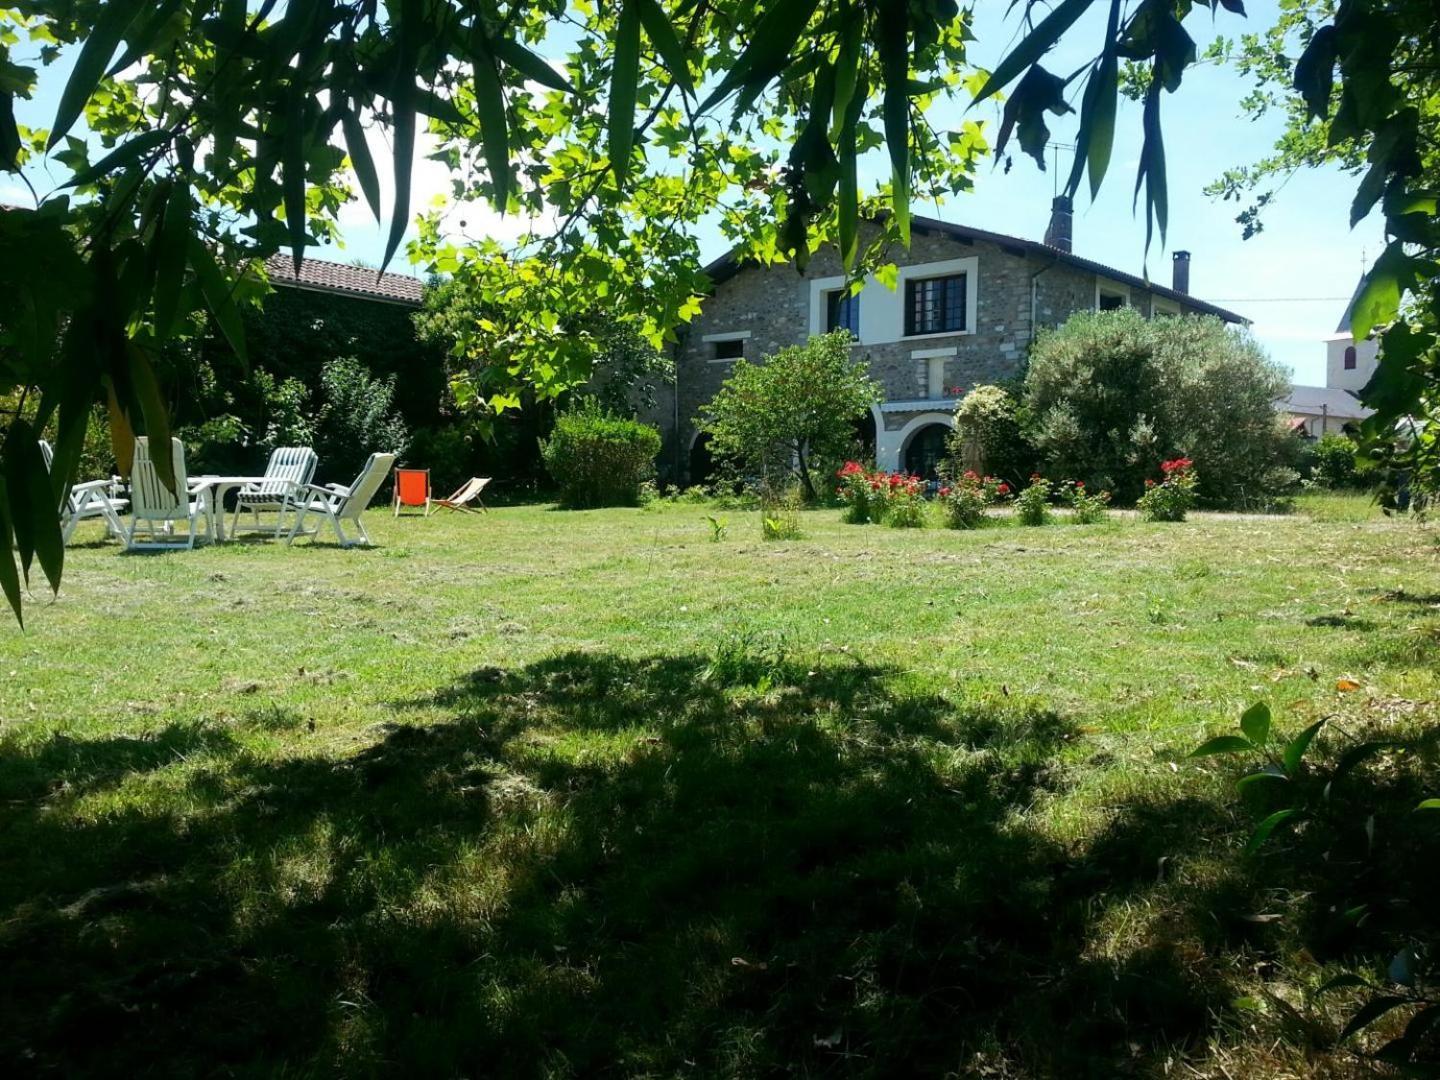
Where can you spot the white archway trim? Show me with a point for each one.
(890, 445)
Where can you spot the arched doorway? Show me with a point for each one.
(702, 464)
(925, 451)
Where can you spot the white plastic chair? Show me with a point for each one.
(339, 503)
(289, 470)
(153, 504)
(92, 499)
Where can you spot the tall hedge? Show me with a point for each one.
(599, 459)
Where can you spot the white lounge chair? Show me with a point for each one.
(92, 499)
(289, 470)
(339, 503)
(155, 505)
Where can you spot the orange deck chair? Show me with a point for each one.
(467, 493)
(412, 488)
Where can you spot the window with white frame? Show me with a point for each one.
(935, 305)
(728, 348)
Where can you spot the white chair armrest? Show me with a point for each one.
(338, 489)
(89, 485)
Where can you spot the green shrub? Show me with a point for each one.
(904, 501)
(964, 500)
(599, 459)
(1109, 393)
(1332, 462)
(356, 418)
(1085, 508)
(987, 438)
(1173, 496)
(1032, 505)
(780, 515)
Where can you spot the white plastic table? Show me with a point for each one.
(214, 489)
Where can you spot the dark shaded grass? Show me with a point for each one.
(606, 865)
(826, 877)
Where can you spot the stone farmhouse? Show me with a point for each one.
(966, 307)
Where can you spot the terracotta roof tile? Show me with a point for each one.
(346, 280)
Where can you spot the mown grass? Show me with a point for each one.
(549, 793)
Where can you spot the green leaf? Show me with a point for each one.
(1223, 744)
(494, 128)
(100, 45)
(847, 75)
(144, 34)
(1315, 72)
(1379, 299)
(1265, 828)
(218, 297)
(1294, 751)
(9, 142)
(1340, 982)
(1356, 754)
(528, 64)
(9, 576)
(1255, 723)
(1259, 777)
(1152, 167)
(775, 35)
(895, 70)
(146, 388)
(402, 100)
(1371, 1011)
(292, 148)
(1096, 137)
(34, 509)
(662, 36)
(1035, 45)
(360, 159)
(624, 80)
(123, 156)
(169, 247)
(849, 196)
(1429, 804)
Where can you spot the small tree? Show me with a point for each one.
(793, 413)
(598, 458)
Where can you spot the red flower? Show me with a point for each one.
(944, 491)
(1003, 489)
(1177, 465)
(851, 468)
(1149, 483)
(1035, 477)
(970, 474)
(1080, 484)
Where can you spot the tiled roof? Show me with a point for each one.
(333, 277)
(727, 265)
(1331, 400)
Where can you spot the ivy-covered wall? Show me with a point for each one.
(298, 331)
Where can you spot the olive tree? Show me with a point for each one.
(1109, 395)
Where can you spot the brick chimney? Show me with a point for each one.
(1062, 213)
(1180, 279)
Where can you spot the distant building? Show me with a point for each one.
(1316, 411)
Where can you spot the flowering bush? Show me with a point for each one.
(859, 490)
(965, 500)
(1032, 506)
(1086, 509)
(1174, 496)
(904, 500)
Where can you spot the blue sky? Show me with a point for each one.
(1292, 280)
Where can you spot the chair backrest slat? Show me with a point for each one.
(377, 467)
(150, 498)
(288, 465)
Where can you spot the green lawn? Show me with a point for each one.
(548, 793)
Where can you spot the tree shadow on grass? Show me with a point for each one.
(598, 865)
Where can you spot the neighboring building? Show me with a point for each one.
(1316, 411)
(965, 310)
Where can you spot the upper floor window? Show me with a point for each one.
(842, 311)
(730, 349)
(935, 305)
(1349, 357)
